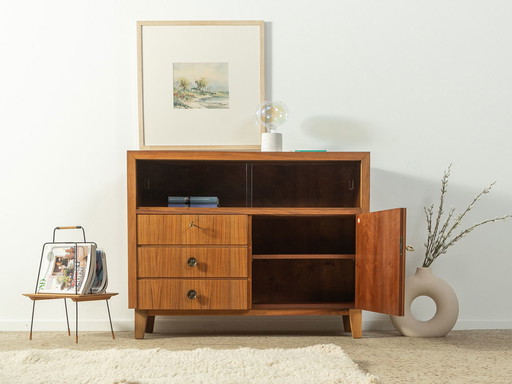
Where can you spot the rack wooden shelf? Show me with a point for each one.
(293, 235)
(76, 298)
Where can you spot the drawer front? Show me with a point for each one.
(192, 262)
(176, 294)
(192, 229)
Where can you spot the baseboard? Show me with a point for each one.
(60, 325)
(234, 324)
(483, 324)
(191, 324)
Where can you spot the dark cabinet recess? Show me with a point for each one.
(303, 235)
(251, 184)
(306, 184)
(303, 281)
(156, 180)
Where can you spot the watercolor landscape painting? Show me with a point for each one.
(200, 86)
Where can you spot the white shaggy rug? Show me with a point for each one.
(312, 365)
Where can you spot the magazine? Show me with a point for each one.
(67, 268)
(100, 280)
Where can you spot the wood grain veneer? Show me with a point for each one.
(250, 156)
(380, 244)
(192, 229)
(211, 294)
(300, 211)
(211, 262)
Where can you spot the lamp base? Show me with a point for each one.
(271, 142)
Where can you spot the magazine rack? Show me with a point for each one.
(75, 297)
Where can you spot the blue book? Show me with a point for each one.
(204, 200)
(178, 200)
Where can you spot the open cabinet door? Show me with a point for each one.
(380, 261)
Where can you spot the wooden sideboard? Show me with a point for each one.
(292, 235)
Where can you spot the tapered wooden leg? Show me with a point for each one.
(141, 319)
(346, 323)
(150, 324)
(356, 323)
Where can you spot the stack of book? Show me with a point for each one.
(72, 268)
(193, 201)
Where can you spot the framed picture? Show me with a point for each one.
(200, 83)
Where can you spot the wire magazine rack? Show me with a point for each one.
(75, 296)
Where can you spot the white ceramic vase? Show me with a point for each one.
(424, 283)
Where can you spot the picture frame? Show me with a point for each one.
(200, 84)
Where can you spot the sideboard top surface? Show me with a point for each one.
(249, 155)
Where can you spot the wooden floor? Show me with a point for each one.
(461, 357)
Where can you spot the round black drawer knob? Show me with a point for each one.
(192, 294)
(192, 262)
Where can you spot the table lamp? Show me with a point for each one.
(271, 114)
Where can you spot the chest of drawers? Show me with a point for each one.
(192, 262)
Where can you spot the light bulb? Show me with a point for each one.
(271, 114)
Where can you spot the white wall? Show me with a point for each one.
(419, 84)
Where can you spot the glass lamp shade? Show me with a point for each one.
(271, 114)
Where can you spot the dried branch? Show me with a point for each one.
(444, 189)
(438, 233)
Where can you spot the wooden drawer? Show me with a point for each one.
(192, 229)
(191, 262)
(173, 294)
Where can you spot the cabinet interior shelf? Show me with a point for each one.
(301, 256)
(334, 305)
(250, 211)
